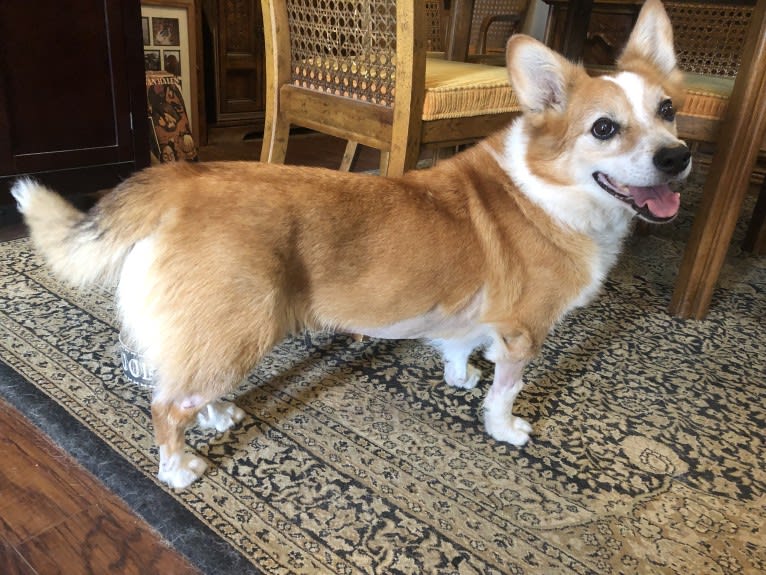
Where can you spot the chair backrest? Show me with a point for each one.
(435, 25)
(343, 48)
(709, 36)
(499, 32)
(366, 51)
(349, 68)
(709, 39)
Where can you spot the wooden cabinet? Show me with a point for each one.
(235, 64)
(610, 25)
(72, 93)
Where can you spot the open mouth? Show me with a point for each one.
(657, 204)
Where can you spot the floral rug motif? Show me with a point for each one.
(647, 454)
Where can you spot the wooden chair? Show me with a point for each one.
(493, 22)
(478, 30)
(359, 71)
(722, 48)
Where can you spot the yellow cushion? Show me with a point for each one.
(459, 90)
(706, 96)
(453, 89)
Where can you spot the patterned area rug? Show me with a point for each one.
(647, 457)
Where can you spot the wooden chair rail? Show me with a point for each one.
(369, 124)
(457, 131)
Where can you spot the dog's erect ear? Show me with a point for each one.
(651, 41)
(539, 76)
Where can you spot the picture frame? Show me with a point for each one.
(145, 30)
(165, 31)
(171, 39)
(152, 61)
(171, 62)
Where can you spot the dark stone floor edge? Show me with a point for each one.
(185, 532)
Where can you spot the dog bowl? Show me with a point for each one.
(134, 367)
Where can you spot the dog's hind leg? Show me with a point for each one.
(219, 415)
(457, 371)
(171, 418)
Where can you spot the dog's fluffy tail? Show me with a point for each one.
(80, 248)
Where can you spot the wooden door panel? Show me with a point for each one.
(241, 72)
(66, 87)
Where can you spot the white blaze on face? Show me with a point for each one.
(634, 87)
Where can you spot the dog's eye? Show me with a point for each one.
(604, 128)
(666, 111)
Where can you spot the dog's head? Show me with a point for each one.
(611, 136)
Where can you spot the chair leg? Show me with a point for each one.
(444, 154)
(706, 248)
(385, 157)
(402, 159)
(755, 239)
(276, 132)
(350, 155)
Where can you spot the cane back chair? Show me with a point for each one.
(721, 47)
(359, 71)
(493, 22)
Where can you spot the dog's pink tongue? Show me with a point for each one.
(661, 200)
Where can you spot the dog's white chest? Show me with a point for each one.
(603, 260)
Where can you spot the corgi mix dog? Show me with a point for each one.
(216, 262)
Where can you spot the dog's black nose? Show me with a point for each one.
(672, 160)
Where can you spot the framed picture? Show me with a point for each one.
(170, 44)
(152, 60)
(165, 32)
(171, 61)
(145, 30)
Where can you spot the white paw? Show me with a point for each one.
(464, 380)
(181, 471)
(508, 429)
(219, 415)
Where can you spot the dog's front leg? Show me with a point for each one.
(458, 372)
(498, 420)
(511, 353)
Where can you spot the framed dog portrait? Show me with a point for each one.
(165, 31)
(170, 45)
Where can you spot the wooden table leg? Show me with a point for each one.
(726, 186)
(576, 28)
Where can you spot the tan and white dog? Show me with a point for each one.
(216, 262)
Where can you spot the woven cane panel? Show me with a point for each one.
(344, 48)
(499, 32)
(709, 37)
(434, 25)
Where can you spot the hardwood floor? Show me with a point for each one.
(55, 517)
